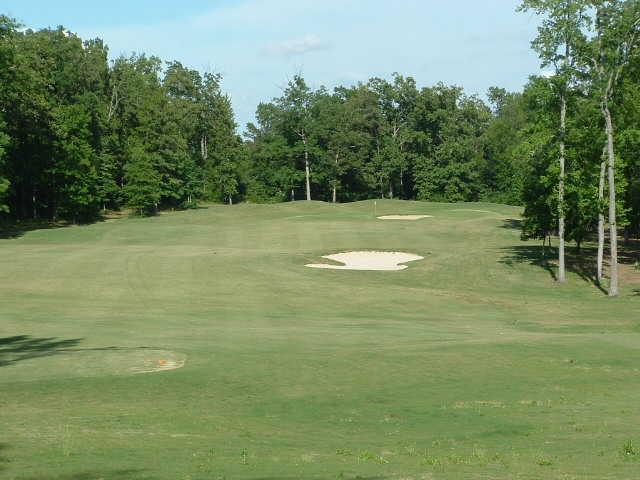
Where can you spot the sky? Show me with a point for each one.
(258, 45)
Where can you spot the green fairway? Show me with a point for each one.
(471, 363)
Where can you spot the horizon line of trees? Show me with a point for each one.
(80, 135)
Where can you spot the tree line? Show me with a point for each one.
(375, 139)
(80, 135)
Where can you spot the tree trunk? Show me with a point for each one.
(230, 200)
(23, 201)
(204, 151)
(335, 182)
(293, 195)
(563, 129)
(306, 169)
(613, 227)
(390, 189)
(603, 168)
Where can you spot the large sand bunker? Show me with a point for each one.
(404, 217)
(379, 261)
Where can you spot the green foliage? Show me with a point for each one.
(73, 171)
(91, 131)
(108, 190)
(228, 178)
(143, 182)
(503, 169)
(4, 181)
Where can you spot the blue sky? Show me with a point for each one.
(257, 45)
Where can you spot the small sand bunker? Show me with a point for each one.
(404, 217)
(379, 261)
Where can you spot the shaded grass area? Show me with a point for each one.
(23, 347)
(582, 263)
(470, 364)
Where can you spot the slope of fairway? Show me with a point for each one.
(470, 363)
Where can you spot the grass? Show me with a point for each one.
(471, 363)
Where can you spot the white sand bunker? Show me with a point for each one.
(379, 261)
(404, 217)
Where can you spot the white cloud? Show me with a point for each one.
(296, 46)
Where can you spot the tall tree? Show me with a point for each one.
(397, 100)
(559, 36)
(453, 124)
(7, 61)
(143, 185)
(296, 103)
(616, 39)
(503, 167)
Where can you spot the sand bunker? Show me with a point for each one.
(404, 217)
(378, 261)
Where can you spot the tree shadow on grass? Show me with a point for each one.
(24, 347)
(512, 224)
(18, 229)
(532, 255)
(4, 461)
(582, 263)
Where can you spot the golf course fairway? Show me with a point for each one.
(197, 345)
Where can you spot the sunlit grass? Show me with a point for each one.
(471, 363)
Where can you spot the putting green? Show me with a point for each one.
(470, 364)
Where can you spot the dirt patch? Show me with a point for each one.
(169, 362)
(376, 261)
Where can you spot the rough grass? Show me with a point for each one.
(470, 364)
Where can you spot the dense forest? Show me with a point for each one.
(80, 134)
